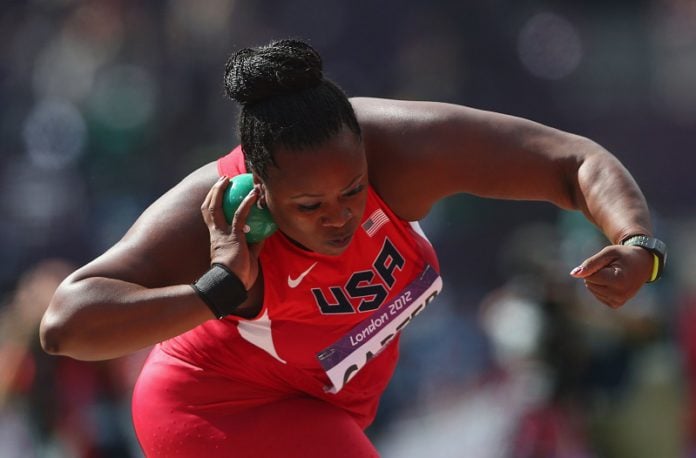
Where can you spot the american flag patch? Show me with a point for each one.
(376, 220)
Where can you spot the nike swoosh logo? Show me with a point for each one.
(294, 282)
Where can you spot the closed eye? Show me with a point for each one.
(311, 207)
(308, 208)
(357, 190)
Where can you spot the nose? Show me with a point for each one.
(338, 217)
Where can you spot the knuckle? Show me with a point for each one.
(617, 301)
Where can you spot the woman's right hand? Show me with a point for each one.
(228, 244)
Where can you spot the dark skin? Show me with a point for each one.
(137, 293)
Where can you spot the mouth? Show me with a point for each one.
(341, 241)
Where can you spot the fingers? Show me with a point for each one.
(211, 208)
(240, 216)
(613, 275)
(214, 216)
(608, 275)
(595, 263)
(607, 285)
(606, 295)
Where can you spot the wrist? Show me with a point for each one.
(221, 290)
(656, 247)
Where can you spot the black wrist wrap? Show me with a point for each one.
(221, 290)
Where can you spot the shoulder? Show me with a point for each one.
(232, 163)
(387, 114)
(399, 136)
(173, 224)
(168, 243)
(383, 116)
(179, 202)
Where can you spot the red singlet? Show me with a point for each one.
(322, 349)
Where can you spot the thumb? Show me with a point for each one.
(593, 264)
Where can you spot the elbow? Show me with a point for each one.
(74, 326)
(54, 330)
(51, 336)
(59, 328)
(59, 337)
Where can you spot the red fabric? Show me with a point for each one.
(172, 419)
(213, 371)
(232, 164)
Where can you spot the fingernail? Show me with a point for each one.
(578, 270)
(246, 229)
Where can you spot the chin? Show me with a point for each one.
(337, 246)
(328, 247)
(331, 251)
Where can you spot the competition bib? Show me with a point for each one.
(345, 357)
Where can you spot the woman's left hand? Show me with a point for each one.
(616, 273)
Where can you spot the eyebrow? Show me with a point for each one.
(347, 188)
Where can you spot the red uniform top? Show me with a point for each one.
(329, 325)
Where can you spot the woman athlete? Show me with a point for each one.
(283, 348)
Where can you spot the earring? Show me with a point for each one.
(261, 201)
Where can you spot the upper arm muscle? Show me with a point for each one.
(168, 244)
(420, 152)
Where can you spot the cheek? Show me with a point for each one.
(359, 208)
(306, 228)
(294, 224)
(302, 224)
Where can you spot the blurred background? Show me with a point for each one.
(106, 104)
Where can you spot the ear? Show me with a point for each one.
(261, 202)
(258, 181)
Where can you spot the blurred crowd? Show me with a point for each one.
(105, 104)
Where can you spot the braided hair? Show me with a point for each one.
(286, 101)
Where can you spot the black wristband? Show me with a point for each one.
(221, 290)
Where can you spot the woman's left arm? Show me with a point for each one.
(420, 152)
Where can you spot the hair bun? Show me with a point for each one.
(280, 68)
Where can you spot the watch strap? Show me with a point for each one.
(657, 247)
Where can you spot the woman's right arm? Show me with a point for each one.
(137, 293)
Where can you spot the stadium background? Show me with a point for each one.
(105, 104)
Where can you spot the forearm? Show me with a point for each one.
(101, 318)
(608, 196)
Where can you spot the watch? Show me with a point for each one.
(657, 247)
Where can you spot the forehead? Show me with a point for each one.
(334, 162)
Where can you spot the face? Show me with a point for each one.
(317, 197)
